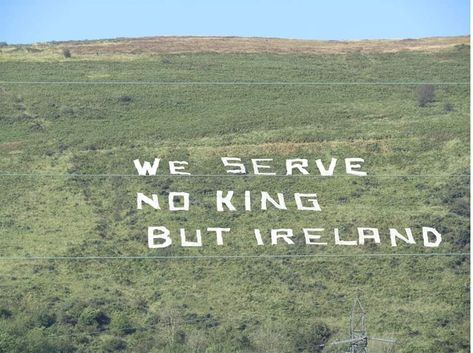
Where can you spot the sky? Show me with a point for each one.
(29, 21)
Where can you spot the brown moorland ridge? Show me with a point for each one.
(191, 44)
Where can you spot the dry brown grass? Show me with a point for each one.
(168, 45)
(11, 146)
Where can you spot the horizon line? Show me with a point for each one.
(214, 36)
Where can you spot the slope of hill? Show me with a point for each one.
(71, 128)
(128, 48)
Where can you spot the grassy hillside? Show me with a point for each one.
(70, 129)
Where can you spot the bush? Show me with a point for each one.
(36, 126)
(180, 337)
(45, 319)
(448, 107)
(93, 317)
(425, 94)
(20, 106)
(5, 313)
(66, 110)
(312, 339)
(125, 99)
(113, 344)
(67, 53)
(122, 325)
(102, 225)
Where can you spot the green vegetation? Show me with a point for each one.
(240, 304)
(67, 53)
(426, 94)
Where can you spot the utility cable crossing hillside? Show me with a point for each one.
(236, 83)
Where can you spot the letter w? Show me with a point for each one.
(147, 168)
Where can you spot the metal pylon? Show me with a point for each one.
(358, 340)
(358, 332)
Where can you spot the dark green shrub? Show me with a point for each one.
(448, 107)
(102, 227)
(5, 313)
(37, 126)
(113, 344)
(312, 339)
(93, 317)
(66, 110)
(425, 94)
(180, 337)
(125, 99)
(46, 319)
(122, 325)
(20, 106)
(67, 53)
(461, 206)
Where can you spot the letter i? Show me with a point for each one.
(247, 200)
(259, 238)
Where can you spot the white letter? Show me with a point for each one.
(241, 167)
(257, 167)
(175, 166)
(299, 164)
(141, 198)
(218, 233)
(163, 235)
(224, 200)
(259, 238)
(184, 242)
(393, 233)
(247, 200)
(331, 168)
(350, 166)
(315, 205)
(310, 238)
(280, 204)
(185, 198)
(285, 234)
(362, 236)
(342, 242)
(146, 168)
(425, 235)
